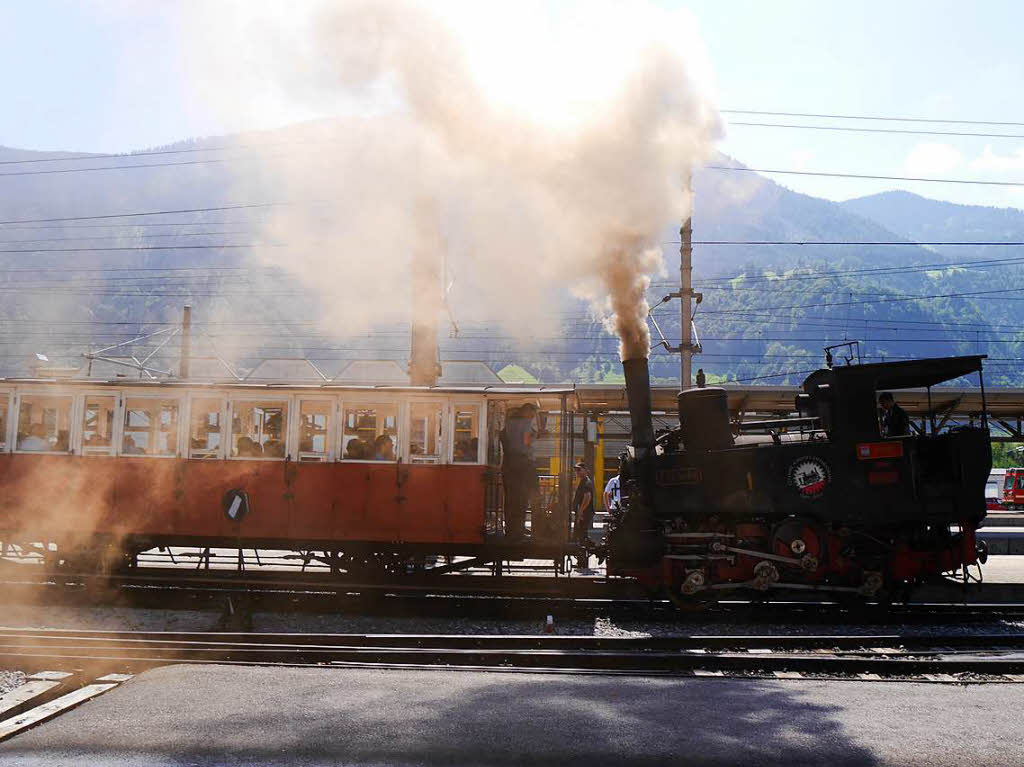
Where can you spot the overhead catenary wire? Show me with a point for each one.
(862, 129)
(139, 214)
(879, 118)
(85, 156)
(831, 174)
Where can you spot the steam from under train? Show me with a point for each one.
(557, 163)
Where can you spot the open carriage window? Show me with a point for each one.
(371, 433)
(150, 427)
(258, 429)
(44, 424)
(425, 440)
(206, 433)
(98, 425)
(3, 420)
(314, 427)
(466, 437)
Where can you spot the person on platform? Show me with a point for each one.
(702, 380)
(583, 509)
(612, 496)
(518, 468)
(895, 421)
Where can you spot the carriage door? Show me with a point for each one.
(423, 514)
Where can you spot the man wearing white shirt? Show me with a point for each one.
(612, 498)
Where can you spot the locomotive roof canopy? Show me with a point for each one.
(902, 374)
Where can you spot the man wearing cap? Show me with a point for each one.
(583, 505)
(518, 468)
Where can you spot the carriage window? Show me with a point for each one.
(98, 425)
(44, 423)
(150, 427)
(3, 420)
(467, 434)
(314, 419)
(371, 433)
(206, 432)
(424, 432)
(257, 429)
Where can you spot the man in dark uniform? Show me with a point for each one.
(518, 468)
(895, 421)
(583, 507)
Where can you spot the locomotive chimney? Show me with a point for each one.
(638, 395)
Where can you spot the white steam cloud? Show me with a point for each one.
(572, 187)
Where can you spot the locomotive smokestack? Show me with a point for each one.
(638, 395)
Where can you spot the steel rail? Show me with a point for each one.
(991, 655)
(681, 642)
(1002, 601)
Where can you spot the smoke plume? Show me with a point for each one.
(571, 188)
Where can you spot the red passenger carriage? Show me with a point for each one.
(368, 476)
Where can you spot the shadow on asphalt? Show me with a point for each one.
(207, 715)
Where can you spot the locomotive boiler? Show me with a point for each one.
(817, 502)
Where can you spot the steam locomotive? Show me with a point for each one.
(820, 502)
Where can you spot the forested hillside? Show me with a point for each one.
(767, 309)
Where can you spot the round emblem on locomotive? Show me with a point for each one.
(809, 475)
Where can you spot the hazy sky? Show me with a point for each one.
(119, 75)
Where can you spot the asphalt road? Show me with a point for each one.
(218, 715)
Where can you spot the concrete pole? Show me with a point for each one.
(427, 298)
(686, 296)
(186, 341)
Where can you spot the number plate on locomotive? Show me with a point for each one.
(685, 475)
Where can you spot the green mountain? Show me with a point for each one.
(766, 313)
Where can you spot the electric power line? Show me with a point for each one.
(848, 129)
(886, 118)
(865, 176)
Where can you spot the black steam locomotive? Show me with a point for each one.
(818, 502)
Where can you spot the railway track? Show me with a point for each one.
(475, 596)
(945, 658)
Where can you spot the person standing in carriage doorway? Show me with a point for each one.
(895, 421)
(518, 469)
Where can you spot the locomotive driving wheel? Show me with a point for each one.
(690, 593)
(802, 540)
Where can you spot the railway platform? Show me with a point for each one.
(206, 715)
(1001, 538)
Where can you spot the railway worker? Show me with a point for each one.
(518, 468)
(612, 496)
(895, 421)
(583, 507)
